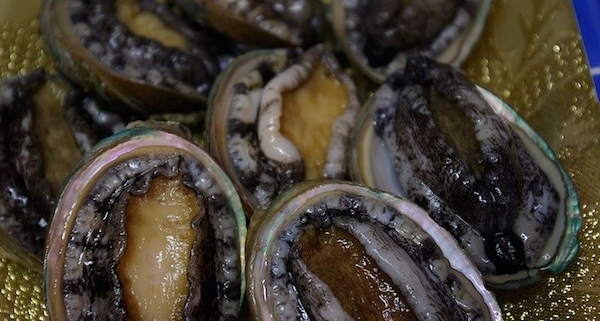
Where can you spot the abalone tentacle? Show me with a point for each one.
(23, 217)
(243, 143)
(282, 153)
(491, 199)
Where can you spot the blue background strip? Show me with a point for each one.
(588, 17)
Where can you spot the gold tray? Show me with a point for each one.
(530, 54)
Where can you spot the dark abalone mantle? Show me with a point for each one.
(496, 193)
(27, 200)
(110, 41)
(91, 287)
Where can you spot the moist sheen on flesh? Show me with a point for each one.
(496, 201)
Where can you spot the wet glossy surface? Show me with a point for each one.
(531, 55)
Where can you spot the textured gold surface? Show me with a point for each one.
(530, 54)
(21, 295)
(21, 49)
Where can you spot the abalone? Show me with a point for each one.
(146, 226)
(332, 250)
(278, 117)
(378, 35)
(46, 125)
(139, 54)
(433, 136)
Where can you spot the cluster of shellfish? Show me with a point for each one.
(345, 167)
